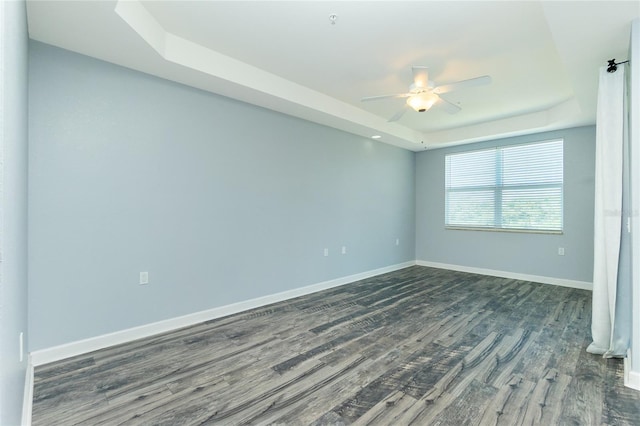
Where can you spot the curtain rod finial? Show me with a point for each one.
(613, 66)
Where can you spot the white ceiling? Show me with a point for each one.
(543, 57)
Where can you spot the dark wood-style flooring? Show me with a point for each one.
(417, 346)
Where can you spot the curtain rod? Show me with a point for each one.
(613, 65)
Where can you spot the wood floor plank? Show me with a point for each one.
(311, 409)
(471, 365)
(285, 400)
(546, 399)
(129, 406)
(620, 403)
(583, 404)
(513, 403)
(467, 408)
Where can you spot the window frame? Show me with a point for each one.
(499, 189)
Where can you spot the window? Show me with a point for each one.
(515, 187)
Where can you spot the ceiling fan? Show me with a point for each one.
(423, 93)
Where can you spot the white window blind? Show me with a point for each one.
(515, 187)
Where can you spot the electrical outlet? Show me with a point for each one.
(560, 251)
(326, 252)
(21, 346)
(144, 278)
(344, 249)
(397, 241)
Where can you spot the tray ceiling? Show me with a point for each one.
(543, 57)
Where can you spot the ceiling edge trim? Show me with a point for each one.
(511, 126)
(318, 107)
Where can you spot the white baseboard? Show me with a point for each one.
(631, 378)
(27, 401)
(512, 275)
(56, 353)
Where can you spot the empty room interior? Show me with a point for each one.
(320, 213)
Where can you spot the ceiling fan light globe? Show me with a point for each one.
(422, 102)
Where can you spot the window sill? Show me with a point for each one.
(519, 231)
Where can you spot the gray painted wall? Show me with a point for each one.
(534, 254)
(219, 200)
(13, 187)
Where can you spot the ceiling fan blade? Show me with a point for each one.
(420, 76)
(447, 106)
(478, 81)
(398, 114)
(375, 98)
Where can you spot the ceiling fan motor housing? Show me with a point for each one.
(417, 88)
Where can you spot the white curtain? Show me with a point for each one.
(611, 310)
